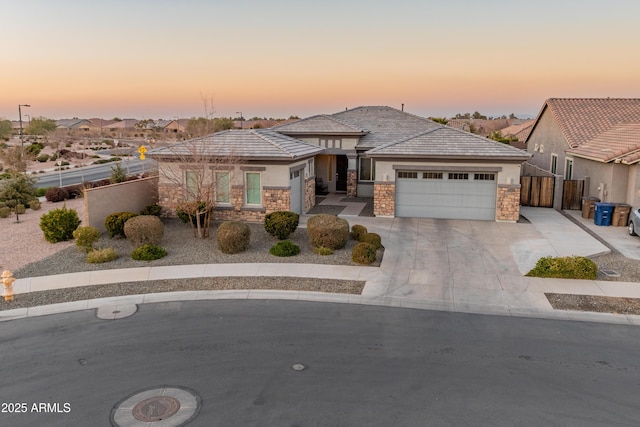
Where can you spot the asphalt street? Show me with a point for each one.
(363, 366)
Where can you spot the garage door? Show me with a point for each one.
(296, 191)
(454, 195)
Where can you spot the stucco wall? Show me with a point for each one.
(633, 186)
(620, 185)
(130, 196)
(547, 134)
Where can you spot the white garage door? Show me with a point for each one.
(296, 191)
(454, 195)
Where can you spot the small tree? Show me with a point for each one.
(19, 189)
(117, 174)
(5, 129)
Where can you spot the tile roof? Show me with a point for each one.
(242, 143)
(582, 119)
(446, 142)
(621, 142)
(520, 130)
(319, 124)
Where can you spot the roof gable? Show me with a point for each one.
(319, 124)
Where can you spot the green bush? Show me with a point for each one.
(285, 248)
(114, 223)
(56, 194)
(58, 225)
(42, 158)
(86, 237)
(372, 238)
(40, 192)
(148, 253)
(575, 267)
(328, 231)
(323, 251)
(363, 253)
(20, 208)
(155, 209)
(144, 229)
(233, 237)
(357, 231)
(34, 148)
(35, 205)
(98, 256)
(5, 211)
(281, 224)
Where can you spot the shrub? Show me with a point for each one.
(35, 205)
(148, 252)
(281, 224)
(233, 237)
(85, 237)
(40, 192)
(56, 194)
(5, 211)
(323, 251)
(144, 229)
(187, 211)
(285, 248)
(114, 223)
(20, 208)
(358, 231)
(58, 225)
(42, 158)
(575, 267)
(75, 191)
(328, 231)
(155, 209)
(363, 253)
(97, 256)
(372, 238)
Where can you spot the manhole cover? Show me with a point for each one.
(156, 409)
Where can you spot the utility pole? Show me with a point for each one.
(21, 133)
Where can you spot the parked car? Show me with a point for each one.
(634, 222)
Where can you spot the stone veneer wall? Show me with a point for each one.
(309, 193)
(384, 198)
(352, 183)
(508, 203)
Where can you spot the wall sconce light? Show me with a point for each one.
(542, 148)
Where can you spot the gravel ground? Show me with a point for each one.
(598, 304)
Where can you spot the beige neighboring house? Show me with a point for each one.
(74, 124)
(519, 131)
(121, 125)
(591, 139)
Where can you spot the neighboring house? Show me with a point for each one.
(121, 125)
(411, 166)
(482, 127)
(595, 139)
(167, 126)
(251, 173)
(74, 124)
(519, 131)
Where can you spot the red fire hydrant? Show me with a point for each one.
(7, 283)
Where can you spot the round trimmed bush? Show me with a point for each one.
(56, 194)
(285, 248)
(86, 237)
(372, 238)
(328, 231)
(233, 237)
(144, 229)
(5, 211)
(281, 224)
(358, 231)
(58, 225)
(363, 253)
(114, 223)
(98, 256)
(35, 205)
(148, 252)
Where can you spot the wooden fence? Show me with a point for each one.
(572, 191)
(537, 191)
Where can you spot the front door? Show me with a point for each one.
(341, 172)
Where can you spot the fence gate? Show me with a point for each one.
(537, 191)
(572, 191)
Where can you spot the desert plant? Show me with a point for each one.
(154, 209)
(114, 223)
(570, 267)
(5, 211)
(148, 252)
(357, 231)
(281, 224)
(58, 225)
(35, 205)
(118, 174)
(20, 208)
(42, 158)
(98, 256)
(372, 238)
(363, 253)
(328, 231)
(323, 251)
(285, 248)
(144, 229)
(233, 237)
(56, 194)
(86, 237)
(40, 192)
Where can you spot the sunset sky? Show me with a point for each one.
(159, 58)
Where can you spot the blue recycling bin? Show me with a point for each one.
(603, 213)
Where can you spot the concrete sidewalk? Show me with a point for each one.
(450, 265)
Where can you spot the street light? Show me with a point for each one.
(240, 112)
(20, 116)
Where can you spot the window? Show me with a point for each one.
(410, 175)
(568, 169)
(484, 177)
(191, 180)
(253, 188)
(367, 169)
(457, 175)
(295, 174)
(432, 175)
(222, 187)
(554, 164)
(331, 142)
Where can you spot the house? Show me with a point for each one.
(411, 166)
(74, 124)
(591, 139)
(519, 131)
